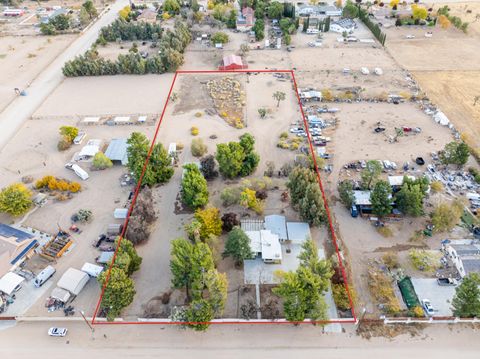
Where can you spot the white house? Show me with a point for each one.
(465, 255)
(343, 25)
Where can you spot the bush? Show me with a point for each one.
(15, 199)
(220, 38)
(436, 186)
(340, 296)
(229, 221)
(64, 144)
(385, 231)
(74, 187)
(198, 148)
(194, 131)
(230, 196)
(101, 162)
(424, 260)
(391, 260)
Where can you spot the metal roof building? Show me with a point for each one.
(276, 224)
(298, 232)
(117, 151)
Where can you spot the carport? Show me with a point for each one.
(10, 282)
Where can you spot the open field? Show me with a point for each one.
(445, 66)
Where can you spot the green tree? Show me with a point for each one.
(298, 180)
(446, 216)
(220, 38)
(101, 162)
(371, 173)
(171, 6)
(259, 29)
(279, 96)
(47, 29)
(248, 199)
(61, 22)
(309, 258)
(69, 132)
(128, 248)
(216, 284)
(409, 199)
(232, 20)
(84, 17)
(159, 168)
(262, 112)
(275, 10)
(210, 222)
(237, 246)
(350, 10)
(455, 153)
(466, 302)
(345, 190)
(381, 198)
(194, 187)
(198, 314)
(311, 207)
(15, 199)
(188, 263)
(250, 163)
(90, 9)
(230, 157)
(119, 291)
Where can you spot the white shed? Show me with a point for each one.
(73, 280)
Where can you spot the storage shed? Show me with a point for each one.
(232, 62)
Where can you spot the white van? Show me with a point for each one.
(43, 276)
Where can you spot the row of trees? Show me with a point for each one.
(119, 288)
(171, 46)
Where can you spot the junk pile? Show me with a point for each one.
(228, 99)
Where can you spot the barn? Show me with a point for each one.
(232, 62)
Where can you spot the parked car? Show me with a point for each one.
(447, 281)
(410, 36)
(354, 211)
(427, 307)
(296, 130)
(57, 332)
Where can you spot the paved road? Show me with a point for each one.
(29, 340)
(19, 110)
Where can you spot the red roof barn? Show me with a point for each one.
(232, 62)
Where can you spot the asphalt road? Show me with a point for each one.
(30, 340)
(20, 110)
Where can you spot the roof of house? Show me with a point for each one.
(117, 150)
(247, 11)
(255, 241)
(277, 225)
(466, 249)
(7, 231)
(398, 180)
(362, 198)
(298, 231)
(9, 282)
(232, 59)
(345, 23)
(471, 265)
(271, 247)
(251, 225)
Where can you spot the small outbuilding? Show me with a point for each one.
(10, 283)
(298, 232)
(73, 280)
(117, 151)
(232, 62)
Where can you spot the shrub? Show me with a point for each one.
(74, 187)
(180, 146)
(194, 131)
(229, 221)
(436, 186)
(15, 199)
(391, 260)
(230, 196)
(198, 148)
(284, 135)
(424, 260)
(385, 231)
(340, 296)
(64, 144)
(418, 312)
(198, 114)
(220, 38)
(101, 162)
(249, 200)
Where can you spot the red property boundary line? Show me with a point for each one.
(137, 189)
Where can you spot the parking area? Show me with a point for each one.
(440, 296)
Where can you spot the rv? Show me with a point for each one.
(43, 276)
(79, 171)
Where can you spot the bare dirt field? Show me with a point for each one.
(446, 66)
(22, 58)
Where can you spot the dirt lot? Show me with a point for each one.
(451, 75)
(23, 58)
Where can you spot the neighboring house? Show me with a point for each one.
(246, 19)
(465, 255)
(88, 151)
(343, 25)
(396, 182)
(232, 62)
(15, 247)
(362, 201)
(117, 151)
(45, 19)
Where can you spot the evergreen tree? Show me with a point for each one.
(466, 302)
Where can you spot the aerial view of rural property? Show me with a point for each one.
(240, 178)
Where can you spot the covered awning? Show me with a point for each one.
(61, 294)
(9, 282)
(30, 246)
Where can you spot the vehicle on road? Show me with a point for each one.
(410, 36)
(57, 332)
(427, 307)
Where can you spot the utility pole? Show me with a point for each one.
(82, 313)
